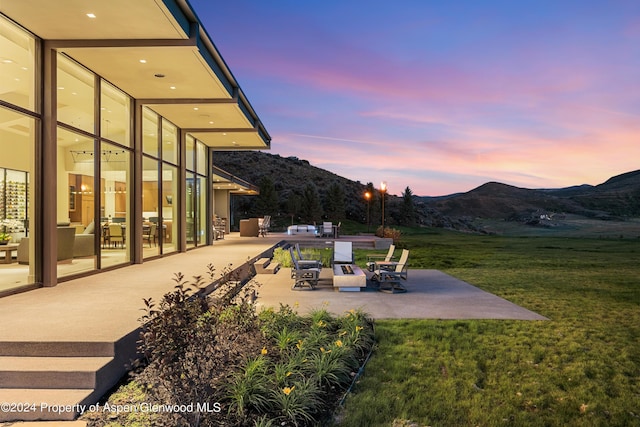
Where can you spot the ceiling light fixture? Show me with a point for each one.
(91, 15)
(143, 61)
(172, 87)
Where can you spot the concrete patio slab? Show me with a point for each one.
(430, 294)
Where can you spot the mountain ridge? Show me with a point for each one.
(617, 197)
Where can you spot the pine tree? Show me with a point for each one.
(311, 206)
(267, 200)
(335, 206)
(408, 210)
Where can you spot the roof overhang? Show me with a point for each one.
(159, 53)
(223, 180)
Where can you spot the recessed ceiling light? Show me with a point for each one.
(172, 87)
(143, 61)
(196, 108)
(91, 15)
(60, 87)
(7, 61)
(210, 122)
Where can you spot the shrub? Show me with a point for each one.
(390, 233)
(282, 257)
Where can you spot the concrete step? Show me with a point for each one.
(42, 404)
(266, 266)
(56, 348)
(52, 372)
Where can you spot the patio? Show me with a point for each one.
(430, 294)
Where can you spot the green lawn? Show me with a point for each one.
(581, 368)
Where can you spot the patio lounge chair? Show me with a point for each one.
(390, 274)
(307, 263)
(304, 278)
(342, 253)
(304, 263)
(372, 258)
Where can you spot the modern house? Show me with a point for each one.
(110, 113)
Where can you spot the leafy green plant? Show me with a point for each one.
(283, 257)
(286, 339)
(297, 404)
(330, 367)
(249, 388)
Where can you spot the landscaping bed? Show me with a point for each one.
(215, 361)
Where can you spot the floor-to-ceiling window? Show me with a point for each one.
(195, 188)
(160, 185)
(115, 176)
(19, 120)
(93, 172)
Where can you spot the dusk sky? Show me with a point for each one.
(441, 96)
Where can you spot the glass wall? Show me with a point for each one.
(115, 115)
(93, 173)
(115, 205)
(17, 66)
(150, 196)
(195, 192)
(75, 95)
(170, 228)
(17, 144)
(160, 185)
(77, 228)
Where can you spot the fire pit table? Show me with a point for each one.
(348, 278)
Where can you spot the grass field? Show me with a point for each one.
(581, 368)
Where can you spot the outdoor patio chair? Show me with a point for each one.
(372, 258)
(342, 253)
(327, 229)
(303, 278)
(306, 262)
(263, 226)
(390, 274)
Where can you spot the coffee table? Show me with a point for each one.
(348, 278)
(8, 250)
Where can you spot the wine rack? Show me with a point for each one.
(14, 196)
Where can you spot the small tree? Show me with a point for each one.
(335, 206)
(311, 207)
(407, 210)
(267, 201)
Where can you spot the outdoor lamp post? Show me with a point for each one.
(383, 189)
(367, 196)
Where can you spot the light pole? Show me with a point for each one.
(383, 190)
(367, 196)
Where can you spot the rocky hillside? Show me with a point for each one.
(618, 197)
